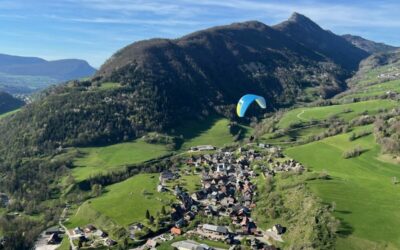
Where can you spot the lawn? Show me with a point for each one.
(126, 202)
(367, 202)
(321, 113)
(100, 159)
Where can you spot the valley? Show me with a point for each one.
(149, 154)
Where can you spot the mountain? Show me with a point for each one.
(338, 49)
(161, 83)
(368, 45)
(380, 59)
(26, 74)
(9, 103)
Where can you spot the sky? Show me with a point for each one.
(95, 29)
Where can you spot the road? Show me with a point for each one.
(62, 217)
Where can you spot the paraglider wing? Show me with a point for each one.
(245, 102)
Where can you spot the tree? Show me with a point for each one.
(151, 220)
(96, 190)
(147, 214)
(163, 212)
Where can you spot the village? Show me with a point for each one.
(227, 191)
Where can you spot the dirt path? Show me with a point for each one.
(300, 114)
(62, 217)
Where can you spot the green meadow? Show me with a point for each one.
(367, 202)
(97, 160)
(214, 131)
(345, 111)
(123, 203)
(375, 90)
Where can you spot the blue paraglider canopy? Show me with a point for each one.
(245, 102)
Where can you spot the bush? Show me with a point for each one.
(353, 152)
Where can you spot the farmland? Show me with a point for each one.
(123, 203)
(97, 160)
(366, 200)
(345, 111)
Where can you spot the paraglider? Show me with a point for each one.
(245, 102)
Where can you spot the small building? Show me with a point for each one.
(176, 231)
(54, 230)
(220, 230)
(161, 188)
(151, 243)
(90, 228)
(279, 229)
(109, 242)
(190, 245)
(202, 148)
(54, 239)
(166, 176)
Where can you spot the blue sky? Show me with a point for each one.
(94, 29)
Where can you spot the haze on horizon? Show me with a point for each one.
(94, 29)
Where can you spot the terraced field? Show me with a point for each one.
(366, 200)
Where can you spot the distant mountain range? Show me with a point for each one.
(26, 74)
(9, 103)
(158, 84)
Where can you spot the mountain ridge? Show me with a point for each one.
(18, 73)
(164, 82)
(368, 45)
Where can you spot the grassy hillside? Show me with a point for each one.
(8, 113)
(345, 111)
(124, 203)
(209, 132)
(366, 200)
(375, 90)
(100, 159)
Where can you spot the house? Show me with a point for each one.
(89, 228)
(54, 230)
(151, 243)
(202, 148)
(77, 230)
(166, 176)
(176, 231)
(279, 229)
(248, 225)
(161, 188)
(189, 245)
(100, 233)
(54, 239)
(180, 223)
(199, 195)
(136, 227)
(221, 167)
(189, 216)
(220, 230)
(109, 242)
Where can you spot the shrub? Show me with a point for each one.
(353, 152)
